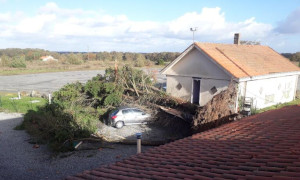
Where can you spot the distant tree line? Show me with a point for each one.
(295, 57)
(292, 56)
(140, 59)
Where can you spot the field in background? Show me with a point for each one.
(52, 66)
(9, 103)
(27, 61)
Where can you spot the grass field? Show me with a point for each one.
(19, 105)
(43, 67)
(278, 106)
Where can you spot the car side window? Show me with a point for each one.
(127, 111)
(137, 111)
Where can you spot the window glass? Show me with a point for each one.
(115, 112)
(137, 111)
(127, 111)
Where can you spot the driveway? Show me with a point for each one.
(20, 160)
(49, 82)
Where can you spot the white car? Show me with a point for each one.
(128, 116)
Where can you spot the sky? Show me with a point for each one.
(146, 26)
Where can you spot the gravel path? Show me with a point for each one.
(19, 160)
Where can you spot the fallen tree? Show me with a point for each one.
(77, 108)
(220, 109)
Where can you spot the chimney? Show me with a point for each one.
(236, 38)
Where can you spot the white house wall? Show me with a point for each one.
(206, 86)
(196, 65)
(268, 92)
(184, 92)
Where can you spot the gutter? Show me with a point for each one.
(268, 76)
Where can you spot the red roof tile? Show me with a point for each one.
(262, 146)
(247, 60)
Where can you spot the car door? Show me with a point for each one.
(140, 116)
(128, 116)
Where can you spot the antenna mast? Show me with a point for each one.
(193, 30)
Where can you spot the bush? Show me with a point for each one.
(18, 62)
(139, 63)
(68, 93)
(52, 125)
(74, 59)
(5, 60)
(160, 62)
(107, 93)
(148, 63)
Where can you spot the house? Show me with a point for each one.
(264, 146)
(48, 58)
(205, 69)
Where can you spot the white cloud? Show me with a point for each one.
(35, 24)
(73, 29)
(5, 17)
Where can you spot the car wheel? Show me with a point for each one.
(119, 124)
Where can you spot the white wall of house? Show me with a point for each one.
(196, 65)
(207, 85)
(268, 92)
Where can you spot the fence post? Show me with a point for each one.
(50, 98)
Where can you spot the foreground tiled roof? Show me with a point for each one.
(264, 146)
(247, 60)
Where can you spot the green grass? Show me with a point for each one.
(278, 106)
(37, 71)
(29, 71)
(20, 105)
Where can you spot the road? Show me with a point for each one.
(49, 82)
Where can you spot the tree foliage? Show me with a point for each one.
(295, 57)
(250, 42)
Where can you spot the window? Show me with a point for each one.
(213, 90)
(179, 86)
(115, 112)
(137, 111)
(126, 111)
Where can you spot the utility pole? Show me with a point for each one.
(193, 30)
(88, 53)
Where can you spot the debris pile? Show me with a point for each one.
(220, 109)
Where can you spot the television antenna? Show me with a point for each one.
(193, 30)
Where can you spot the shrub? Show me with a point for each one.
(160, 62)
(18, 62)
(107, 93)
(139, 63)
(52, 125)
(5, 60)
(148, 63)
(74, 59)
(68, 93)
